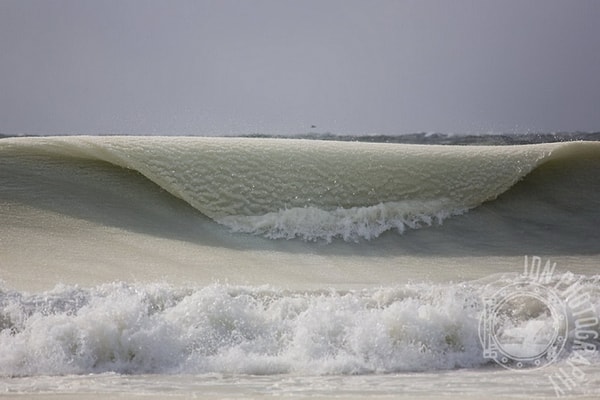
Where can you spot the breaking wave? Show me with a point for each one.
(315, 190)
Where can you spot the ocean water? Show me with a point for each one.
(251, 267)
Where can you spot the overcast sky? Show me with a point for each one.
(280, 66)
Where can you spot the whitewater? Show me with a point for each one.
(246, 267)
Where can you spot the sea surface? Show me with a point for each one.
(321, 267)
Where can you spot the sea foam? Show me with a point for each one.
(156, 328)
(353, 224)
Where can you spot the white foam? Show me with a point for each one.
(159, 329)
(353, 224)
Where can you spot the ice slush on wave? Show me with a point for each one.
(311, 189)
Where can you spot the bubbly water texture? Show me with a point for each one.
(156, 328)
(312, 189)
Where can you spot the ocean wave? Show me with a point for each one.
(315, 190)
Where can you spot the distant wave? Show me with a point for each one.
(428, 137)
(494, 139)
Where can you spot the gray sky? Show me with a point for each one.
(278, 67)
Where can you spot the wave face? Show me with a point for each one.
(314, 190)
(155, 328)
